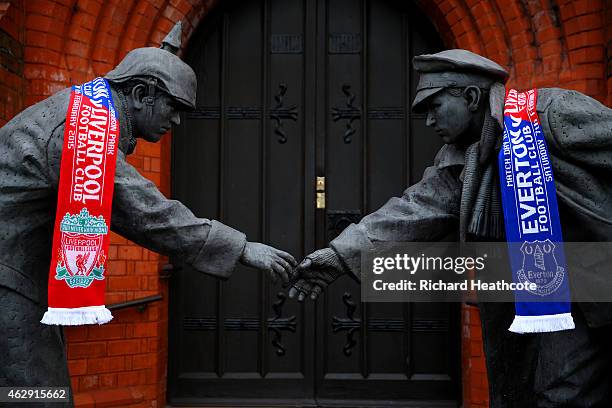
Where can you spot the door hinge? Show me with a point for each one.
(320, 192)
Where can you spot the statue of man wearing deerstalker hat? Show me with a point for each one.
(562, 133)
(57, 153)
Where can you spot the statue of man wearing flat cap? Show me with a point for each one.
(149, 88)
(463, 96)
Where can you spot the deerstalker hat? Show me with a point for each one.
(173, 75)
(454, 68)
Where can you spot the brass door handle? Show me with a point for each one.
(320, 188)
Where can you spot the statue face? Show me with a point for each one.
(165, 114)
(449, 115)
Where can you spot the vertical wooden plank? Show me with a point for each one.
(286, 143)
(263, 280)
(219, 346)
(407, 129)
(309, 357)
(344, 162)
(386, 161)
(244, 183)
(365, 179)
(320, 107)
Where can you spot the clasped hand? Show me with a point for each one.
(308, 279)
(315, 273)
(266, 258)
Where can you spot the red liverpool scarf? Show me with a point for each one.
(82, 221)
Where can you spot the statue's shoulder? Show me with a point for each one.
(56, 104)
(572, 120)
(567, 99)
(35, 126)
(546, 96)
(47, 113)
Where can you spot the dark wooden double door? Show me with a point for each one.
(288, 91)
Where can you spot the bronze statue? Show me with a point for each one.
(149, 86)
(462, 94)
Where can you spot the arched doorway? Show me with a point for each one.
(291, 91)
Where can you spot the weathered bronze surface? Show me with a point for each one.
(150, 86)
(462, 95)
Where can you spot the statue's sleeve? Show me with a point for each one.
(144, 215)
(426, 211)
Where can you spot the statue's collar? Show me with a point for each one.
(497, 94)
(127, 139)
(451, 155)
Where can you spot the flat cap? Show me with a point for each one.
(454, 68)
(173, 75)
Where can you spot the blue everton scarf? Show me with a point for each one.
(531, 215)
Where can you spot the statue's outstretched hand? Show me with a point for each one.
(315, 273)
(266, 258)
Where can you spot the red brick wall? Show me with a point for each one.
(475, 385)
(46, 45)
(542, 42)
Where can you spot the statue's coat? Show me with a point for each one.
(30, 151)
(578, 132)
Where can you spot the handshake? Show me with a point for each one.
(308, 279)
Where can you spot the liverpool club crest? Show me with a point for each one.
(81, 257)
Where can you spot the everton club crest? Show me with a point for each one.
(540, 267)
(81, 257)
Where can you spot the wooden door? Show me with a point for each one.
(288, 91)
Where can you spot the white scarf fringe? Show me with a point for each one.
(542, 324)
(77, 316)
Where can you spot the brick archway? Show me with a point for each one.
(542, 42)
(70, 41)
